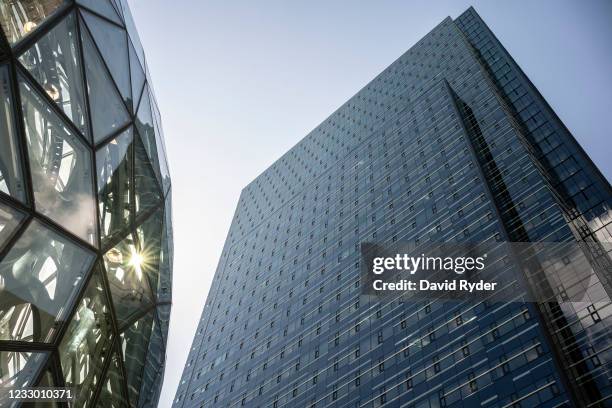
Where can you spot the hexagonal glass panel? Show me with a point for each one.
(87, 342)
(41, 276)
(112, 394)
(114, 168)
(19, 18)
(127, 276)
(10, 219)
(54, 61)
(61, 167)
(11, 176)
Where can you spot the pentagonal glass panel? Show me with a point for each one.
(11, 178)
(147, 193)
(102, 7)
(61, 167)
(19, 18)
(134, 344)
(87, 342)
(137, 74)
(108, 113)
(41, 277)
(54, 62)
(113, 45)
(114, 168)
(10, 219)
(112, 394)
(154, 362)
(126, 271)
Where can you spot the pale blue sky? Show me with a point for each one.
(240, 82)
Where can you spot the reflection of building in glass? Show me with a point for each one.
(451, 143)
(85, 230)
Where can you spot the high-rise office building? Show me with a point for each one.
(85, 222)
(450, 143)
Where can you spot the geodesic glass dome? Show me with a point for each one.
(85, 205)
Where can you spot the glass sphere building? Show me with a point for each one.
(85, 206)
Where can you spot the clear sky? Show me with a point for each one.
(240, 82)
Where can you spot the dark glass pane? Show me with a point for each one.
(60, 164)
(11, 178)
(114, 165)
(102, 7)
(137, 74)
(126, 270)
(147, 193)
(134, 344)
(108, 113)
(41, 277)
(163, 315)
(20, 18)
(54, 62)
(154, 362)
(10, 219)
(112, 394)
(20, 368)
(86, 344)
(112, 43)
(154, 390)
(164, 290)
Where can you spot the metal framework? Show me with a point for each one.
(120, 301)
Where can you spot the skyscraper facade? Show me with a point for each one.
(85, 207)
(450, 143)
